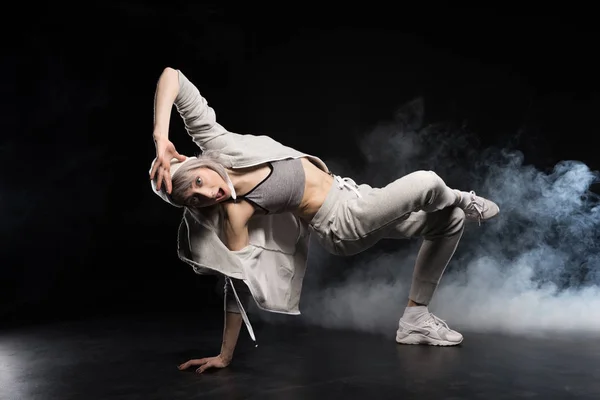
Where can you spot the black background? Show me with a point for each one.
(82, 233)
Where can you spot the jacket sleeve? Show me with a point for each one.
(243, 293)
(198, 117)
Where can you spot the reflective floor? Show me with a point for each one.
(136, 357)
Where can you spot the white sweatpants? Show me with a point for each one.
(355, 217)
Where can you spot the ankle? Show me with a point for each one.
(414, 314)
(464, 198)
(415, 304)
(459, 197)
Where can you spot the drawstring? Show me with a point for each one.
(242, 311)
(347, 183)
(231, 188)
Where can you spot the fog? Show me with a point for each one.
(532, 270)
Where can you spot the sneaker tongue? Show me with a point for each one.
(421, 318)
(430, 320)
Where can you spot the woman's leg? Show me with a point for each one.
(441, 232)
(357, 222)
(360, 221)
(417, 205)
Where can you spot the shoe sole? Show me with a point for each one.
(422, 339)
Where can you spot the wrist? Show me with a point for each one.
(226, 357)
(158, 135)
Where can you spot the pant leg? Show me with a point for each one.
(419, 204)
(357, 223)
(441, 232)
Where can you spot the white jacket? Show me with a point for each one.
(274, 262)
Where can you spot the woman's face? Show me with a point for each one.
(207, 188)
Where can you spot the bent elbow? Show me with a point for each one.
(171, 74)
(169, 81)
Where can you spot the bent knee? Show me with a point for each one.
(429, 180)
(456, 220)
(447, 222)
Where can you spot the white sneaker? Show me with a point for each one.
(428, 330)
(480, 209)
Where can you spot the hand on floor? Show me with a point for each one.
(205, 363)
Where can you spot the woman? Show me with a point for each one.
(251, 203)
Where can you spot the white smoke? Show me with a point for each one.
(533, 269)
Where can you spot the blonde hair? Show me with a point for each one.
(184, 178)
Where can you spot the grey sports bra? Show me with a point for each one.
(281, 190)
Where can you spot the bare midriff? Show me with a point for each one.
(316, 188)
(316, 185)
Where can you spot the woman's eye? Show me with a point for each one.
(198, 181)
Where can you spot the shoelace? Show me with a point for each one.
(436, 321)
(475, 208)
(347, 183)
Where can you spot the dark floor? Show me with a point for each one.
(135, 357)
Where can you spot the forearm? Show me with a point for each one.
(233, 313)
(231, 332)
(167, 89)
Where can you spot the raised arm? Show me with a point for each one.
(173, 88)
(198, 117)
(167, 90)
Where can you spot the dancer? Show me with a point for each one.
(250, 205)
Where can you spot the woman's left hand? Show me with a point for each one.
(205, 363)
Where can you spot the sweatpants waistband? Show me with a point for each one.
(341, 189)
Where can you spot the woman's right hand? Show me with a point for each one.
(205, 363)
(161, 170)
